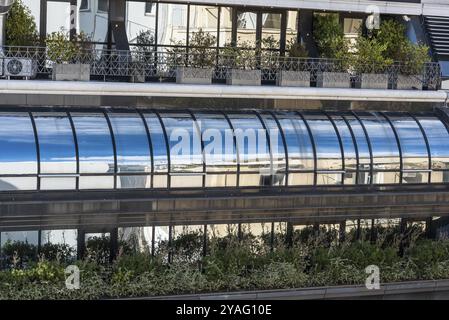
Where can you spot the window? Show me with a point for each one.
(84, 5)
(172, 24)
(103, 5)
(204, 18)
(150, 7)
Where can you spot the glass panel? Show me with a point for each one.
(221, 180)
(28, 237)
(300, 179)
(349, 150)
(140, 23)
(160, 157)
(329, 178)
(184, 142)
(225, 26)
(413, 145)
(299, 145)
(93, 19)
(252, 144)
(438, 138)
(131, 141)
(271, 30)
(17, 144)
(56, 143)
(18, 183)
(276, 143)
(94, 143)
(246, 29)
(58, 183)
(326, 142)
(203, 18)
(66, 239)
(380, 177)
(291, 34)
(58, 16)
(440, 176)
(218, 138)
(362, 144)
(383, 141)
(172, 24)
(96, 153)
(34, 7)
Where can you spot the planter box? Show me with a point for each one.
(287, 78)
(194, 75)
(244, 77)
(334, 80)
(409, 82)
(71, 72)
(374, 81)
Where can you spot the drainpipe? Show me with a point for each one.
(5, 5)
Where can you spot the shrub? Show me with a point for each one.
(20, 26)
(329, 37)
(60, 49)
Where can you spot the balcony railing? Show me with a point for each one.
(140, 65)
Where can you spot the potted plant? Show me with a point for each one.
(71, 59)
(370, 63)
(241, 66)
(332, 45)
(294, 73)
(198, 65)
(411, 73)
(143, 60)
(21, 33)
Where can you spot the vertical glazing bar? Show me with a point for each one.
(284, 142)
(354, 142)
(77, 154)
(429, 155)
(150, 144)
(38, 153)
(370, 148)
(200, 135)
(267, 136)
(234, 138)
(114, 147)
(312, 139)
(167, 146)
(341, 146)
(153, 239)
(398, 142)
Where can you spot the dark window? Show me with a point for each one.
(84, 5)
(149, 7)
(103, 5)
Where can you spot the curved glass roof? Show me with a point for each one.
(77, 149)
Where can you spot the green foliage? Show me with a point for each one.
(201, 52)
(238, 57)
(20, 26)
(296, 50)
(60, 49)
(370, 55)
(329, 37)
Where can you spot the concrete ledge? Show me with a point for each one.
(214, 91)
(430, 289)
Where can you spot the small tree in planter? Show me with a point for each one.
(331, 44)
(197, 66)
(411, 75)
(370, 63)
(144, 57)
(240, 65)
(20, 32)
(71, 59)
(294, 73)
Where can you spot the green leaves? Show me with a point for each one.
(20, 26)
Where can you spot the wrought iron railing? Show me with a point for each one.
(147, 65)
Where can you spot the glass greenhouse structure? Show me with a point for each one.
(120, 148)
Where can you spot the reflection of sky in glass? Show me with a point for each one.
(17, 143)
(252, 143)
(326, 141)
(360, 139)
(299, 145)
(158, 143)
(438, 138)
(131, 141)
(346, 140)
(219, 149)
(276, 142)
(184, 142)
(94, 143)
(412, 142)
(56, 143)
(382, 139)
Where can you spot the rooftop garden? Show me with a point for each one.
(307, 258)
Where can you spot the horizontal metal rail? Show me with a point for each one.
(143, 64)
